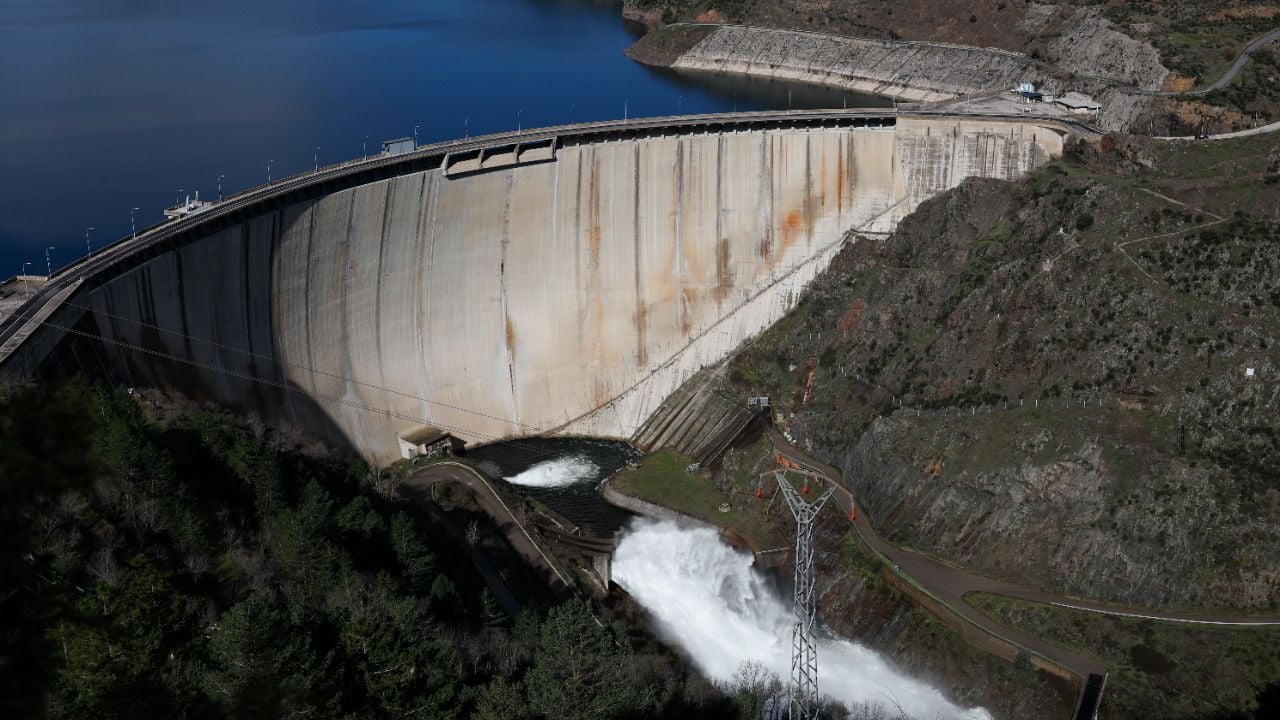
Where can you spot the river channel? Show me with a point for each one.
(564, 474)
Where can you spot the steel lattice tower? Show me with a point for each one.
(804, 654)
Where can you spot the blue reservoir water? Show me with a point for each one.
(108, 105)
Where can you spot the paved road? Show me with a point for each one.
(1235, 68)
(1273, 127)
(15, 327)
(418, 488)
(951, 584)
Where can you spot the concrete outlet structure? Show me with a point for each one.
(570, 294)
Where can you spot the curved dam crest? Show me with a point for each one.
(567, 295)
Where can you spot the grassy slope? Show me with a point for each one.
(1159, 669)
(661, 478)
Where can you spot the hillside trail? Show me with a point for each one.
(418, 489)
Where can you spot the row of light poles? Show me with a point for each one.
(133, 231)
(315, 160)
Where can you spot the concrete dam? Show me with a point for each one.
(557, 281)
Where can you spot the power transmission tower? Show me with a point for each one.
(804, 654)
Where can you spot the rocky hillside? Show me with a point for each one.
(1046, 380)
(1171, 46)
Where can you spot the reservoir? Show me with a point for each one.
(111, 105)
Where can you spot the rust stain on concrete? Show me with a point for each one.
(724, 275)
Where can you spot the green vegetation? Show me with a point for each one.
(1256, 90)
(1130, 272)
(661, 478)
(866, 606)
(1160, 669)
(169, 564)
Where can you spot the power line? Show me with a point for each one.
(285, 363)
(287, 388)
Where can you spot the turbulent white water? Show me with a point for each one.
(708, 600)
(558, 473)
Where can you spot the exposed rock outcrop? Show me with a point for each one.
(912, 71)
(1140, 467)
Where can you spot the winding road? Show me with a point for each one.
(1236, 67)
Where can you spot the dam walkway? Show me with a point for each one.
(44, 297)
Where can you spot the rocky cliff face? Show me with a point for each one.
(856, 45)
(1046, 381)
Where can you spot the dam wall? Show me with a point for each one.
(916, 71)
(566, 296)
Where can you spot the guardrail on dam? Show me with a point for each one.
(562, 280)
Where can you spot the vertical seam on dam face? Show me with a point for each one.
(306, 292)
(423, 287)
(344, 297)
(507, 327)
(338, 308)
(594, 307)
(577, 251)
(641, 308)
(765, 220)
(724, 282)
(388, 208)
(679, 206)
(809, 200)
(589, 362)
(277, 350)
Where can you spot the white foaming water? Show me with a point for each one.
(561, 472)
(708, 599)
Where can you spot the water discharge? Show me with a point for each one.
(707, 598)
(558, 473)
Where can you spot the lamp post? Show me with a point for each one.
(466, 127)
(220, 177)
(315, 158)
(364, 147)
(24, 267)
(679, 104)
(415, 137)
(87, 251)
(133, 227)
(519, 120)
(177, 198)
(626, 109)
(48, 263)
(269, 171)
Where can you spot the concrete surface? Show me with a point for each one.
(567, 297)
(16, 290)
